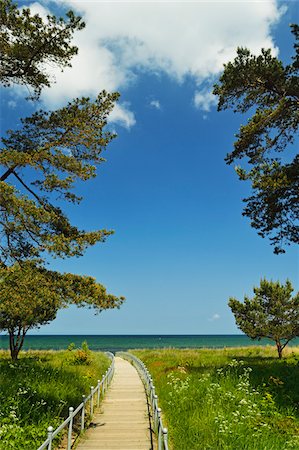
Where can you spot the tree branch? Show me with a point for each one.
(8, 172)
(27, 187)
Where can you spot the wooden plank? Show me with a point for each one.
(122, 423)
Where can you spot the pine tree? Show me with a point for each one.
(262, 84)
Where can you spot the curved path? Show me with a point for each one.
(122, 422)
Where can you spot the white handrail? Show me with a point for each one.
(161, 432)
(100, 389)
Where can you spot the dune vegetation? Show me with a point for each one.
(234, 399)
(38, 389)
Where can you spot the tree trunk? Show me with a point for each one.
(279, 349)
(13, 349)
(16, 343)
(14, 354)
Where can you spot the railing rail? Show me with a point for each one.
(156, 416)
(98, 391)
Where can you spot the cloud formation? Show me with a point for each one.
(122, 116)
(123, 39)
(155, 104)
(204, 99)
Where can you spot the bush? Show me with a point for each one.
(81, 355)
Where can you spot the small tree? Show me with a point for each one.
(272, 313)
(30, 296)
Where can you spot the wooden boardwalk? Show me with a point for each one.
(122, 423)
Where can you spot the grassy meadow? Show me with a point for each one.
(238, 398)
(37, 390)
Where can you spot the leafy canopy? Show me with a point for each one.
(29, 44)
(263, 84)
(272, 313)
(31, 295)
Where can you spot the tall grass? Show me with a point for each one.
(37, 390)
(230, 399)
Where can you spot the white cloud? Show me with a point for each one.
(155, 104)
(122, 116)
(123, 39)
(204, 100)
(37, 8)
(214, 317)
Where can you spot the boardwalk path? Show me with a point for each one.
(122, 422)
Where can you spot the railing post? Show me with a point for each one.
(50, 433)
(103, 386)
(155, 409)
(159, 429)
(83, 413)
(150, 381)
(153, 393)
(69, 439)
(91, 401)
(98, 397)
(165, 435)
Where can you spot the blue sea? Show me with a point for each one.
(126, 342)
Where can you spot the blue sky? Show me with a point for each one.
(181, 246)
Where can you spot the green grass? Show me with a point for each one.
(37, 390)
(228, 398)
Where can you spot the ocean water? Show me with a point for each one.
(126, 342)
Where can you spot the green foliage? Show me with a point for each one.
(43, 159)
(71, 347)
(61, 147)
(85, 347)
(81, 355)
(30, 296)
(37, 390)
(226, 399)
(263, 84)
(271, 313)
(29, 44)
